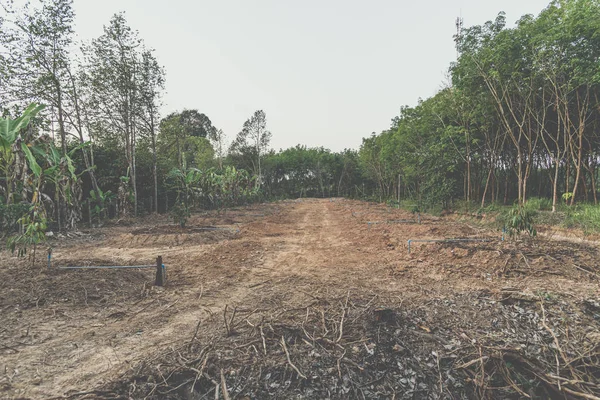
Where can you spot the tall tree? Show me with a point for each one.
(188, 133)
(218, 139)
(37, 67)
(253, 141)
(152, 83)
(113, 73)
(37, 57)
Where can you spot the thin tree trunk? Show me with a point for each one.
(555, 185)
(487, 182)
(506, 189)
(578, 166)
(154, 168)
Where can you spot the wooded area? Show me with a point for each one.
(518, 118)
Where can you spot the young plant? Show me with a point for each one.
(35, 223)
(99, 200)
(567, 197)
(520, 219)
(180, 214)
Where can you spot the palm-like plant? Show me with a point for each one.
(15, 153)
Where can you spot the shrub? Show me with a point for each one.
(519, 219)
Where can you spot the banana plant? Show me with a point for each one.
(60, 170)
(99, 198)
(12, 147)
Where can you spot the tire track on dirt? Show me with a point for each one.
(92, 353)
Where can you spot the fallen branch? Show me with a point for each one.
(224, 386)
(342, 319)
(287, 354)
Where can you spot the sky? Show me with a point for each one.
(326, 72)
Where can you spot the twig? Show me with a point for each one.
(231, 319)
(338, 364)
(584, 395)
(585, 270)
(325, 330)
(263, 340)
(525, 259)
(224, 386)
(196, 331)
(556, 343)
(228, 323)
(198, 373)
(287, 354)
(258, 284)
(342, 319)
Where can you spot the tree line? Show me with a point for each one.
(518, 117)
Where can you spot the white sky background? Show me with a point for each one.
(326, 72)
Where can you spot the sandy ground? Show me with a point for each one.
(67, 332)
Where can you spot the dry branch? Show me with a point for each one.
(287, 354)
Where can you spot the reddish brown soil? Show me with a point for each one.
(67, 332)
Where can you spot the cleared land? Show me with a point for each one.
(307, 300)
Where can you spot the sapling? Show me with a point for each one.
(520, 219)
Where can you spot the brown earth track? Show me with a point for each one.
(72, 331)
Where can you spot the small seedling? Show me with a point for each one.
(520, 219)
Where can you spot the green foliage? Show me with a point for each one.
(583, 216)
(98, 201)
(11, 136)
(519, 219)
(311, 172)
(539, 204)
(567, 196)
(184, 139)
(34, 224)
(213, 189)
(180, 214)
(10, 214)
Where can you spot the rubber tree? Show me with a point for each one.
(253, 141)
(113, 75)
(152, 84)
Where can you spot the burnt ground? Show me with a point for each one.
(303, 299)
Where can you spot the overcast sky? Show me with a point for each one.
(326, 72)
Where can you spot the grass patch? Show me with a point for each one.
(583, 216)
(539, 204)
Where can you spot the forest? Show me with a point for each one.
(518, 118)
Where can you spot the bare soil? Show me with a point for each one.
(303, 299)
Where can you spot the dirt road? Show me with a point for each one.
(73, 331)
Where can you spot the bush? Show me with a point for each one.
(519, 219)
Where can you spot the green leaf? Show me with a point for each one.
(33, 164)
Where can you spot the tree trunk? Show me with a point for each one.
(154, 162)
(87, 160)
(487, 182)
(505, 189)
(578, 166)
(555, 185)
(593, 179)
